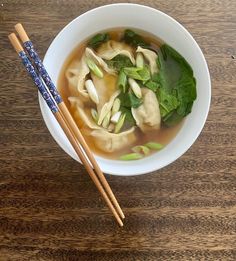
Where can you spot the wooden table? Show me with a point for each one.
(49, 208)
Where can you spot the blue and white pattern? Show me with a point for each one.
(38, 82)
(42, 71)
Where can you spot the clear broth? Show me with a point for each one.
(163, 136)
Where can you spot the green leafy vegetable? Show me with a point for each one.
(118, 62)
(134, 101)
(174, 116)
(156, 76)
(152, 85)
(137, 73)
(122, 81)
(98, 39)
(145, 74)
(132, 38)
(167, 102)
(132, 72)
(177, 85)
(129, 119)
(129, 100)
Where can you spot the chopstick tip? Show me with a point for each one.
(18, 25)
(15, 42)
(22, 33)
(11, 35)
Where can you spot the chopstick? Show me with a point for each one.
(61, 120)
(66, 114)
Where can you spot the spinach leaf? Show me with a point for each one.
(129, 119)
(130, 37)
(167, 102)
(172, 118)
(152, 85)
(137, 73)
(156, 76)
(118, 62)
(129, 100)
(98, 39)
(134, 101)
(177, 85)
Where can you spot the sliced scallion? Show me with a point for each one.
(120, 123)
(122, 81)
(141, 149)
(131, 156)
(154, 145)
(94, 68)
(139, 60)
(116, 106)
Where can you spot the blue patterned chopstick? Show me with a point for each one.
(42, 71)
(38, 63)
(38, 82)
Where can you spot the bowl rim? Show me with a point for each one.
(151, 168)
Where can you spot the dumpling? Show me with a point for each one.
(98, 60)
(102, 138)
(76, 75)
(112, 48)
(110, 142)
(147, 115)
(78, 70)
(151, 56)
(103, 92)
(81, 114)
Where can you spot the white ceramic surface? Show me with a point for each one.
(159, 24)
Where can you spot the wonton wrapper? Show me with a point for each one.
(78, 70)
(110, 142)
(75, 101)
(147, 115)
(76, 75)
(82, 119)
(98, 60)
(103, 139)
(87, 120)
(111, 49)
(151, 56)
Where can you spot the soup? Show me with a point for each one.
(128, 92)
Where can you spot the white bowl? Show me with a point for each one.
(171, 32)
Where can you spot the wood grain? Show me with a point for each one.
(49, 208)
